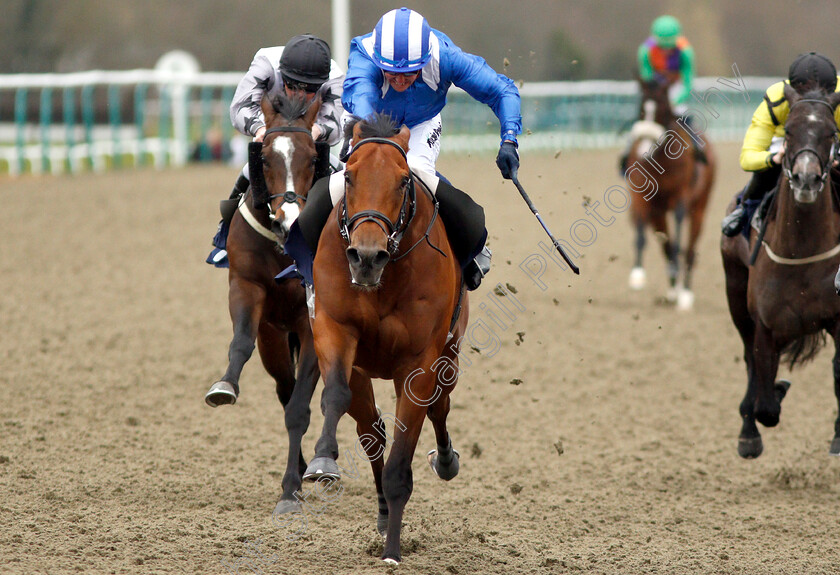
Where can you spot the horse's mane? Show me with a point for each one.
(811, 92)
(290, 108)
(378, 125)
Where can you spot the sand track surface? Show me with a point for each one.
(598, 436)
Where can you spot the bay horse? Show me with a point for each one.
(387, 290)
(663, 158)
(274, 314)
(784, 303)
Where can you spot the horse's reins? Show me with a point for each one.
(408, 209)
(787, 169)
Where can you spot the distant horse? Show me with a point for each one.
(662, 161)
(783, 304)
(387, 291)
(274, 314)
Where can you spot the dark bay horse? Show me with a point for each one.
(783, 304)
(663, 169)
(387, 287)
(274, 314)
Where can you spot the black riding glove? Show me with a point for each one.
(508, 160)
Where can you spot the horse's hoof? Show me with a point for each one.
(287, 506)
(445, 472)
(782, 386)
(750, 447)
(322, 467)
(220, 393)
(835, 446)
(390, 561)
(638, 278)
(685, 300)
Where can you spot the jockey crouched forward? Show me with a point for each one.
(302, 68)
(404, 69)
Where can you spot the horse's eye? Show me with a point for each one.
(314, 160)
(347, 179)
(405, 181)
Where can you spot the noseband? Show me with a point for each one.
(395, 232)
(289, 196)
(789, 161)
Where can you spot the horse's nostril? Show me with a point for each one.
(353, 256)
(279, 229)
(381, 258)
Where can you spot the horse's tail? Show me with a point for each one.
(802, 350)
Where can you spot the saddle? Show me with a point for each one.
(756, 212)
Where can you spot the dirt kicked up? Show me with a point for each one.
(597, 426)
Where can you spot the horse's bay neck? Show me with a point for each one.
(802, 230)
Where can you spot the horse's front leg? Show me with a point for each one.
(245, 301)
(297, 421)
(638, 277)
(336, 349)
(835, 443)
(373, 436)
(670, 248)
(416, 392)
(768, 406)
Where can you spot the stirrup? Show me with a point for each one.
(475, 271)
(733, 222)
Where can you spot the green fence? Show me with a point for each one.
(98, 120)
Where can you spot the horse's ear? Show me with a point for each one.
(357, 131)
(834, 99)
(402, 137)
(312, 110)
(267, 109)
(791, 95)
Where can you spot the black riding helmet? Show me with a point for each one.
(306, 59)
(813, 68)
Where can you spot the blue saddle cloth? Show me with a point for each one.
(218, 257)
(750, 207)
(298, 249)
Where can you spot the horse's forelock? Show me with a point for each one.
(378, 126)
(290, 108)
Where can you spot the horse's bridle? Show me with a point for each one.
(289, 196)
(395, 232)
(789, 161)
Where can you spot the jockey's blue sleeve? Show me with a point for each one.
(362, 84)
(472, 74)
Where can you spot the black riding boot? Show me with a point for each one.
(622, 163)
(314, 215)
(464, 223)
(322, 164)
(759, 184)
(228, 207)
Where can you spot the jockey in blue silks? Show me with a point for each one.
(404, 68)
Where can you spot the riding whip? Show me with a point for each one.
(542, 223)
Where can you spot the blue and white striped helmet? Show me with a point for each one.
(401, 41)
